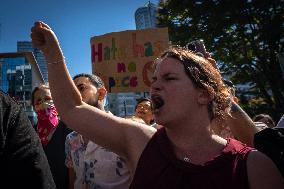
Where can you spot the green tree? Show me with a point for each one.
(244, 36)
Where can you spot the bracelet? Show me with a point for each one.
(56, 62)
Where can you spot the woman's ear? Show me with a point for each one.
(204, 97)
(102, 93)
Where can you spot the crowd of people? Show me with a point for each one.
(190, 133)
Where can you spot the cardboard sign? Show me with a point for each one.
(124, 59)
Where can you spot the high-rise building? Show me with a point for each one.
(145, 17)
(19, 74)
(26, 46)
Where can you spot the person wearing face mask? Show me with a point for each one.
(52, 133)
(23, 163)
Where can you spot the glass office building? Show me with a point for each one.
(26, 46)
(15, 78)
(19, 74)
(123, 104)
(145, 17)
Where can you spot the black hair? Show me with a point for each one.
(95, 80)
(258, 117)
(142, 100)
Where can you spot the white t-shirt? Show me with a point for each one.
(95, 166)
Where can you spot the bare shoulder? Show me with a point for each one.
(139, 135)
(262, 172)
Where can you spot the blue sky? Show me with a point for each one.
(74, 21)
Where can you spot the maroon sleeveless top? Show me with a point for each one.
(159, 168)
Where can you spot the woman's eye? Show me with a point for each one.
(47, 99)
(81, 88)
(170, 78)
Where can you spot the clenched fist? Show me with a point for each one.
(45, 39)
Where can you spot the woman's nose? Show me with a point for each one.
(156, 86)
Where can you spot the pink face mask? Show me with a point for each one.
(47, 121)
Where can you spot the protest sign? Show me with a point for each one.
(124, 59)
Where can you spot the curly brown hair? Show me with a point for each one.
(205, 76)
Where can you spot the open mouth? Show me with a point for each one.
(141, 112)
(157, 101)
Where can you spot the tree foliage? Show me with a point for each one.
(244, 36)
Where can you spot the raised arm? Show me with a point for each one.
(123, 137)
(241, 125)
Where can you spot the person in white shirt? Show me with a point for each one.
(90, 165)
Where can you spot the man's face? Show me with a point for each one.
(88, 91)
(144, 111)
